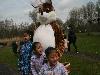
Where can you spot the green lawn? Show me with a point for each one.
(8, 57)
(89, 44)
(79, 66)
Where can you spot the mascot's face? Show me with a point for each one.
(46, 7)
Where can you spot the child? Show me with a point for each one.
(25, 54)
(14, 47)
(52, 67)
(65, 41)
(37, 59)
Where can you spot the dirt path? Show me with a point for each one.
(6, 70)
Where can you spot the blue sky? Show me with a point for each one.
(18, 10)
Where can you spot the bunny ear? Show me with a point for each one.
(36, 3)
(34, 6)
(48, 1)
(41, 2)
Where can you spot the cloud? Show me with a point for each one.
(63, 7)
(15, 9)
(19, 9)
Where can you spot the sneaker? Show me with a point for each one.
(77, 52)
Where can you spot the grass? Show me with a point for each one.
(79, 66)
(8, 57)
(89, 44)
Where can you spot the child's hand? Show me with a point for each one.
(67, 66)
